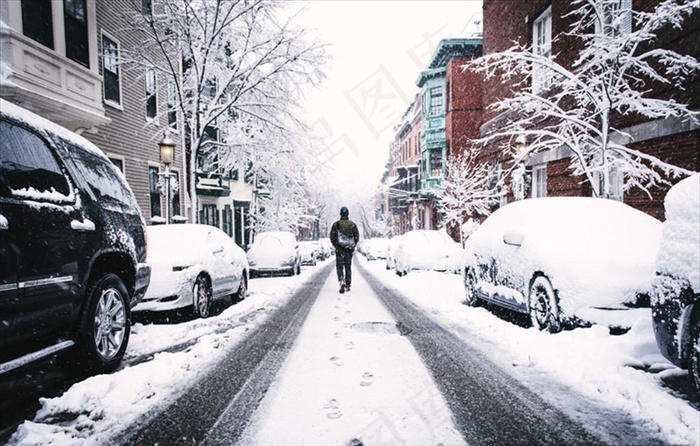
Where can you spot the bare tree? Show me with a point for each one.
(576, 107)
(237, 66)
(470, 188)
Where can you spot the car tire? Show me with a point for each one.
(470, 296)
(544, 305)
(201, 296)
(298, 269)
(105, 325)
(242, 292)
(694, 354)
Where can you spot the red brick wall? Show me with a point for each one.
(465, 113)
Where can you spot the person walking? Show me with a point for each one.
(344, 237)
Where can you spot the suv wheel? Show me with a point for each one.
(105, 325)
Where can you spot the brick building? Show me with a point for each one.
(542, 23)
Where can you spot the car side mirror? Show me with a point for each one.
(513, 237)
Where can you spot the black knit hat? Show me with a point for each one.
(344, 212)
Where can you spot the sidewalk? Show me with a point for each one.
(351, 376)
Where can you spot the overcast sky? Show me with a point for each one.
(378, 49)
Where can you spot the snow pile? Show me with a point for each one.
(679, 255)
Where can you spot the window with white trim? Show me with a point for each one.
(616, 19)
(172, 105)
(616, 188)
(539, 181)
(542, 46)
(151, 99)
(110, 70)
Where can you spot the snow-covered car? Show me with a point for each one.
(72, 247)
(675, 297)
(274, 252)
(427, 250)
(192, 266)
(565, 261)
(328, 249)
(391, 252)
(374, 248)
(308, 253)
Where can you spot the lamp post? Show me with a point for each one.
(167, 154)
(519, 172)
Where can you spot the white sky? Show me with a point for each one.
(378, 49)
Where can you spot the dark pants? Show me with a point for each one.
(343, 264)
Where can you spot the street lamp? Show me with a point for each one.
(520, 145)
(518, 176)
(167, 155)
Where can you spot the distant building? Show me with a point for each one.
(451, 115)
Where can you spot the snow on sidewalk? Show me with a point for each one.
(350, 375)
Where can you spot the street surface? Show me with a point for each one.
(327, 393)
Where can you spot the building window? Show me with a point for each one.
(542, 46)
(228, 220)
(146, 7)
(153, 191)
(172, 105)
(76, 31)
(616, 188)
(435, 163)
(616, 19)
(209, 215)
(37, 21)
(118, 162)
(151, 99)
(436, 101)
(539, 181)
(175, 193)
(110, 70)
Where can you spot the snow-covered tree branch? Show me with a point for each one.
(578, 107)
(238, 67)
(470, 188)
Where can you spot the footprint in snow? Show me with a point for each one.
(336, 318)
(367, 379)
(337, 361)
(332, 409)
(349, 345)
(338, 334)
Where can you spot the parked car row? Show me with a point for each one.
(373, 248)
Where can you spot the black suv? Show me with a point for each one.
(72, 246)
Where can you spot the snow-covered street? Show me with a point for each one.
(350, 375)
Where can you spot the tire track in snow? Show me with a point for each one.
(216, 410)
(489, 406)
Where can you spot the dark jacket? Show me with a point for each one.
(347, 227)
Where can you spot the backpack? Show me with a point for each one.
(346, 241)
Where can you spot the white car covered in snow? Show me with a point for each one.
(191, 266)
(275, 252)
(565, 261)
(427, 250)
(374, 248)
